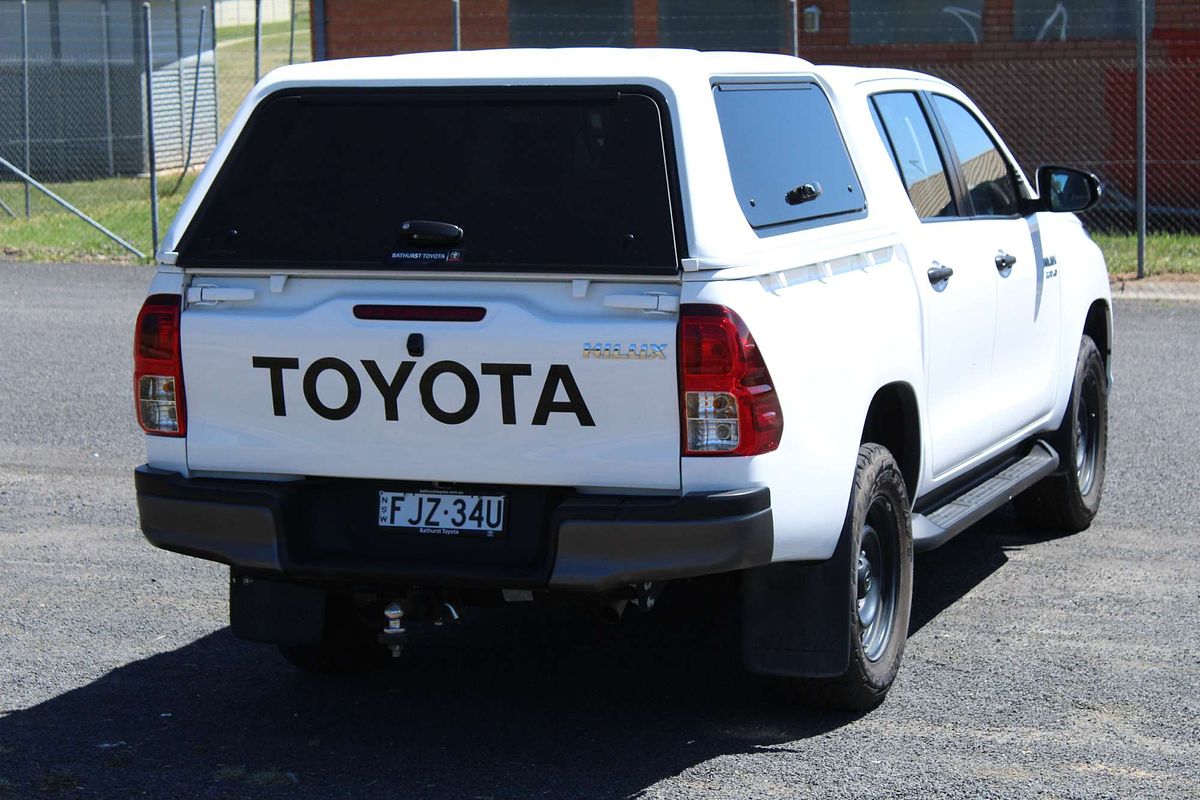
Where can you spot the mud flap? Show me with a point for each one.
(796, 617)
(275, 612)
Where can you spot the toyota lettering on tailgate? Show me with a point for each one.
(558, 377)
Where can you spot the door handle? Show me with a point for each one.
(1004, 263)
(939, 275)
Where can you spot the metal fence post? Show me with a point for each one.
(179, 77)
(319, 50)
(1141, 140)
(150, 129)
(795, 27)
(292, 34)
(257, 40)
(25, 90)
(195, 88)
(187, 160)
(29, 181)
(457, 24)
(212, 38)
(108, 130)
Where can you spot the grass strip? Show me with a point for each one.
(1166, 253)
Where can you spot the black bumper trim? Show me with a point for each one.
(632, 540)
(241, 535)
(596, 543)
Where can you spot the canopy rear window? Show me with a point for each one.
(537, 180)
(789, 164)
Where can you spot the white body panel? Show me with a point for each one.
(838, 311)
(1028, 306)
(827, 365)
(1082, 282)
(625, 437)
(960, 321)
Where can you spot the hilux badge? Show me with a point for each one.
(647, 352)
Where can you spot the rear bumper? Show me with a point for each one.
(312, 530)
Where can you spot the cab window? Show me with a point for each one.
(989, 180)
(908, 137)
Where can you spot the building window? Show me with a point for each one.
(1058, 21)
(916, 21)
(570, 23)
(756, 25)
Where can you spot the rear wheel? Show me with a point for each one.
(879, 568)
(1069, 501)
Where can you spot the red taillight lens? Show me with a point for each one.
(730, 406)
(158, 368)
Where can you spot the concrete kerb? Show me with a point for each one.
(1182, 291)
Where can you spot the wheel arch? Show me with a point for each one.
(893, 420)
(1098, 325)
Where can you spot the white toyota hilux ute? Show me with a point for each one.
(442, 329)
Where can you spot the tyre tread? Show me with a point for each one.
(1055, 503)
(855, 690)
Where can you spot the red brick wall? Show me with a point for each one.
(1176, 33)
(385, 27)
(1068, 101)
(645, 23)
(1055, 101)
(1177, 28)
(381, 27)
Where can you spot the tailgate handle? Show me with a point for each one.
(428, 231)
(650, 303)
(211, 295)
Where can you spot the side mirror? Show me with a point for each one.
(1066, 189)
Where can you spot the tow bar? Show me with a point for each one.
(417, 610)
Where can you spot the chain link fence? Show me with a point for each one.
(285, 38)
(1082, 113)
(74, 115)
(1059, 79)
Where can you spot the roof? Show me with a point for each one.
(530, 63)
(863, 74)
(684, 77)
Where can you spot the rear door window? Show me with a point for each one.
(915, 153)
(537, 180)
(789, 163)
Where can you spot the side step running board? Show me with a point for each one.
(937, 527)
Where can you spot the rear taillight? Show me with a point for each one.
(158, 368)
(730, 407)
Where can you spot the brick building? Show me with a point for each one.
(1057, 76)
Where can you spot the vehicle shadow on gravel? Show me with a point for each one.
(942, 576)
(519, 702)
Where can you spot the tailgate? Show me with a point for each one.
(501, 382)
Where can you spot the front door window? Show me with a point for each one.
(990, 183)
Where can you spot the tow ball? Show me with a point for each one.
(403, 615)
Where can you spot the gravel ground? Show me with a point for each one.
(1038, 666)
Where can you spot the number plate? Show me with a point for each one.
(443, 513)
